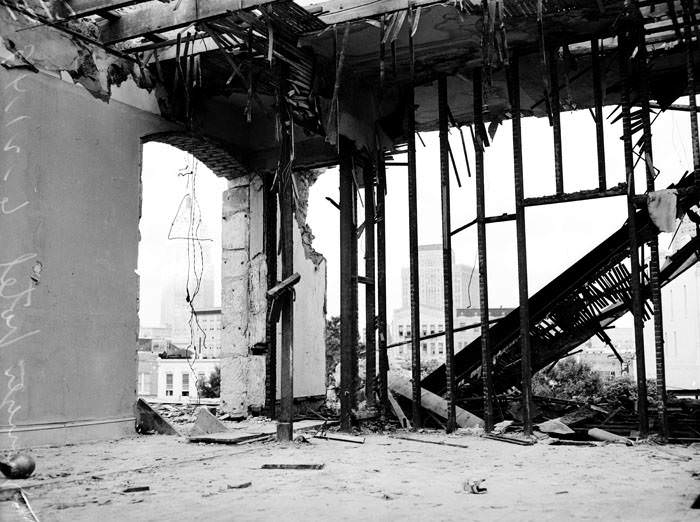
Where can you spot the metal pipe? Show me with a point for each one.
(347, 232)
(381, 284)
(451, 424)
(599, 122)
(556, 120)
(413, 235)
(486, 359)
(526, 364)
(370, 318)
(270, 205)
(635, 283)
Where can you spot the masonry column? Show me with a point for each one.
(243, 302)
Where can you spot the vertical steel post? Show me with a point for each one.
(635, 283)
(526, 364)
(653, 248)
(347, 334)
(284, 424)
(599, 121)
(370, 309)
(447, 256)
(556, 119)
(270, 206)
(413, 237)
(688, 14)
(355, 297)
(381, 283)
(486, 360)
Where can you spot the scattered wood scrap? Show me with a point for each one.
(229, 438)
(292, 466)
(137, 489)
(339, 437)
(150, 421)
(426, 441)
(503, 438)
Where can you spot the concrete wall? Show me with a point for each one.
(244, 304)
(69, 214)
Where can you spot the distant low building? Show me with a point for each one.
(172, 380)
(432, 322)
(602, 360)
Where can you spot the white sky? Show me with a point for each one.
(557, 235)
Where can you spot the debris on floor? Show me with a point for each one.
(292, 466)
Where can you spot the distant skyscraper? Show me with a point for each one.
(190, 265)
(465, 293)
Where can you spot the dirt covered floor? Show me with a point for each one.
(384, 479)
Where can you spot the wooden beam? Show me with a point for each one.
(157, 17)
(83, 8)
(338, 11)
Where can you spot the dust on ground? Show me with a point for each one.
(383, 479)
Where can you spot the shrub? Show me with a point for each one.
(210, 388)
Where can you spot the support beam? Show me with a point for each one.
(619, 190)
(654, 280)
(598, 114)
(370, 316)
(284, 424)
(486, 360)
(692, 105)
(270, 209)
(413, 239)
(347, 234)
(158, 17)
(83, 8)
(526, 356)
(381, 284)
(635, 282)
(556, 119)
(451, 424)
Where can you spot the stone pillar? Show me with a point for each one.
(243, 302)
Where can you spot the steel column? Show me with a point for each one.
(451, 424)
(486, 360)
(556, 120)
(690, 68)
(635, 283)
(413, 236)
(653, 247)
(526, 365)
(270, 208)
(599, 121)
(347, 234)
(370, 317)
(284, 425)
(381, 284)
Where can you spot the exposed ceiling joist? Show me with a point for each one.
(338, 11)
(84, 8)
(155, 17)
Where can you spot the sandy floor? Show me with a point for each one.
(384, 479)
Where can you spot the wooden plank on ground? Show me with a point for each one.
(435, 403)
(226, 437)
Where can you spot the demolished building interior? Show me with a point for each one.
(265, 92)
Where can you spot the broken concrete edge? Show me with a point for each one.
(148, 419)
(304, 180)
(87, 65)
(206, 423)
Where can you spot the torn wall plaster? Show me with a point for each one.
(304, 179)
(50, 50)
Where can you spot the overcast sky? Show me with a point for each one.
(557, 235)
